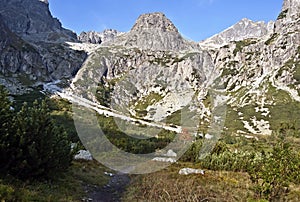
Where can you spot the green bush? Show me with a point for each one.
(192, 154)
(276, 171)
(271, 170)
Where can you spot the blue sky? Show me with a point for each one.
(195, 19)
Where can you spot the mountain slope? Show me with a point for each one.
(152, 72)
(261, 77)
(132, 71)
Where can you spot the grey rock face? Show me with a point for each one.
(17, 55)
(289, 16)
(154, 21)
(98, 37)
(291, 8)
(31, 19)
(153, 31)
(90, 37)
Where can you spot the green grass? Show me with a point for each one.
(69, 186)
(232, 121)
(229, 71)
(285, 110)
(131, 139)
(61, 111)
(168, 185)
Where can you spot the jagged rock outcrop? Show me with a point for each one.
(98, 37)
(289, 16)
(32, 20)
(290, 9)
(242, 30)
(17, 55)
(154, 31)
(33, 44)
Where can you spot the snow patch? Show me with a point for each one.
(261, 127)
(88, 48)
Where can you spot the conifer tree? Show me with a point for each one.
(43, 147)
(31, 144)
(6, 115)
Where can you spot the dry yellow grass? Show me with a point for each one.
(168, 185)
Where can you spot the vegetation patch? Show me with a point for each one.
(239, 45)
(273, 37)
(141, 105)
(69, 186)
(133, 143)
(282, 14)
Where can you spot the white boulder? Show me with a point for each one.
(83, 155)
(188, 171)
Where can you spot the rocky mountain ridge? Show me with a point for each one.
(242, 30)
(255, 64)
(98, 37)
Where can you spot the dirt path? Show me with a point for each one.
(110, 192)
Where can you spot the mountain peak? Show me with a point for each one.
(246, 20)
(153, 31)
(154, 21)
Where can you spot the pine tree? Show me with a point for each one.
(43, 148)
(6, 116)
(31, 144)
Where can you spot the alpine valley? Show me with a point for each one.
(245, 79)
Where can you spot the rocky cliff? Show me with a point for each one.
(33, 45)
(261, 75)
(32, 20)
